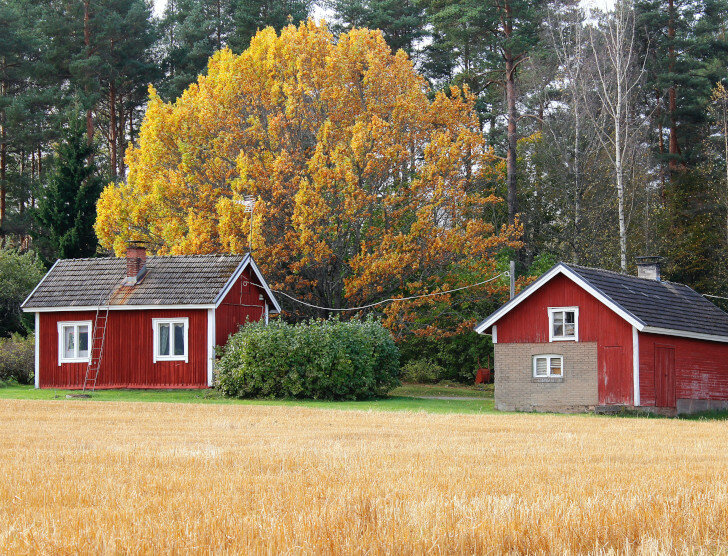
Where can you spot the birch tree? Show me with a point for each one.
(616, 77)
(566, 32)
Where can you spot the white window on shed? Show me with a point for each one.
(74, 340)
(563, 324)
(548, 366)
(171, 339)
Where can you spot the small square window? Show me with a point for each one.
(563, 323)
(548, 366)
(170, 339)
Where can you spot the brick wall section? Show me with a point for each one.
(517, 390)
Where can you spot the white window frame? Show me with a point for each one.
(76, 324)
(575, 337)
(155, 339)
(548, 357)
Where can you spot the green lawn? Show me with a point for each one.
(404, 398)
(420, 390)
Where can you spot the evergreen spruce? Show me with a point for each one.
(67, 211)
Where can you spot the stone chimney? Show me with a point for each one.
(136, 257)
(648, 267)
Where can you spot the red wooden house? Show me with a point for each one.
(579, 338)
(142, 322)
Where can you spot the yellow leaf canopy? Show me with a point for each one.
(367, 184)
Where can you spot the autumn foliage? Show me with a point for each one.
(368, 185)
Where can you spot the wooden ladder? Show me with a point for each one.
(98, 339)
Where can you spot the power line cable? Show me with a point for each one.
(388, 299)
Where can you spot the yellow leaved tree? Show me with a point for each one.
(368, 186)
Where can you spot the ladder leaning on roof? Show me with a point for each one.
(98, 338)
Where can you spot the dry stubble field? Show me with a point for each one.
(136, 477)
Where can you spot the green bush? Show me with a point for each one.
(422, 371)
(330, 360)
(19, 274)
(17, 359)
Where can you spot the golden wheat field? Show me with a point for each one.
(84, 477)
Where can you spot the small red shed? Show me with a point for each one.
(142, 322)
(579, 338)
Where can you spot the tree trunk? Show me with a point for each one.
(122, 142)
(3, 173)
(671, 93)
(619, 170)
(219, 24)
(112, 127)
(87, 44)
(577, 180)
(512, 115)
(512, 138)
(725, 144)
(3, 164)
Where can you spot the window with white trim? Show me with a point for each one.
(170, 339)
(74, 339)
(548, 366)
(563, 324)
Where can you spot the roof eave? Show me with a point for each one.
(559, 268)
(248, 261)
(22, 305)
(59, 308)
(684, 334)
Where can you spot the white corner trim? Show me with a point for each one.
(636, 366)
(267, 315)
(684, 334)
(210, 345)
(551, 311)
(60, 325)
(39, 283)
(494, 334)
(578, 280)
(155, 337)
(37, 350)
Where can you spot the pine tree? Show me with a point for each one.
(253, 15)
(67, 212)
(688, 48)
(402, 22)
(491, 40)
(193, 30)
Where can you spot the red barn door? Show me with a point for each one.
(664, 376)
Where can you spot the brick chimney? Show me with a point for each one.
(136, 257)
(648, 267)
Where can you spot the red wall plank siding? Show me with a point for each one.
(241, 304)
(128, 352)
(701, 368)
(529, 323)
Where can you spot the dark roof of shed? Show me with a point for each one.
(175, 280)
(659, 304)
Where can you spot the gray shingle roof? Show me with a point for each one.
(658, 304)
(178, 280)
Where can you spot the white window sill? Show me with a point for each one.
(564, 339)
(74, 360)
(167, 358)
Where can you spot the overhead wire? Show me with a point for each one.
(390, 299)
